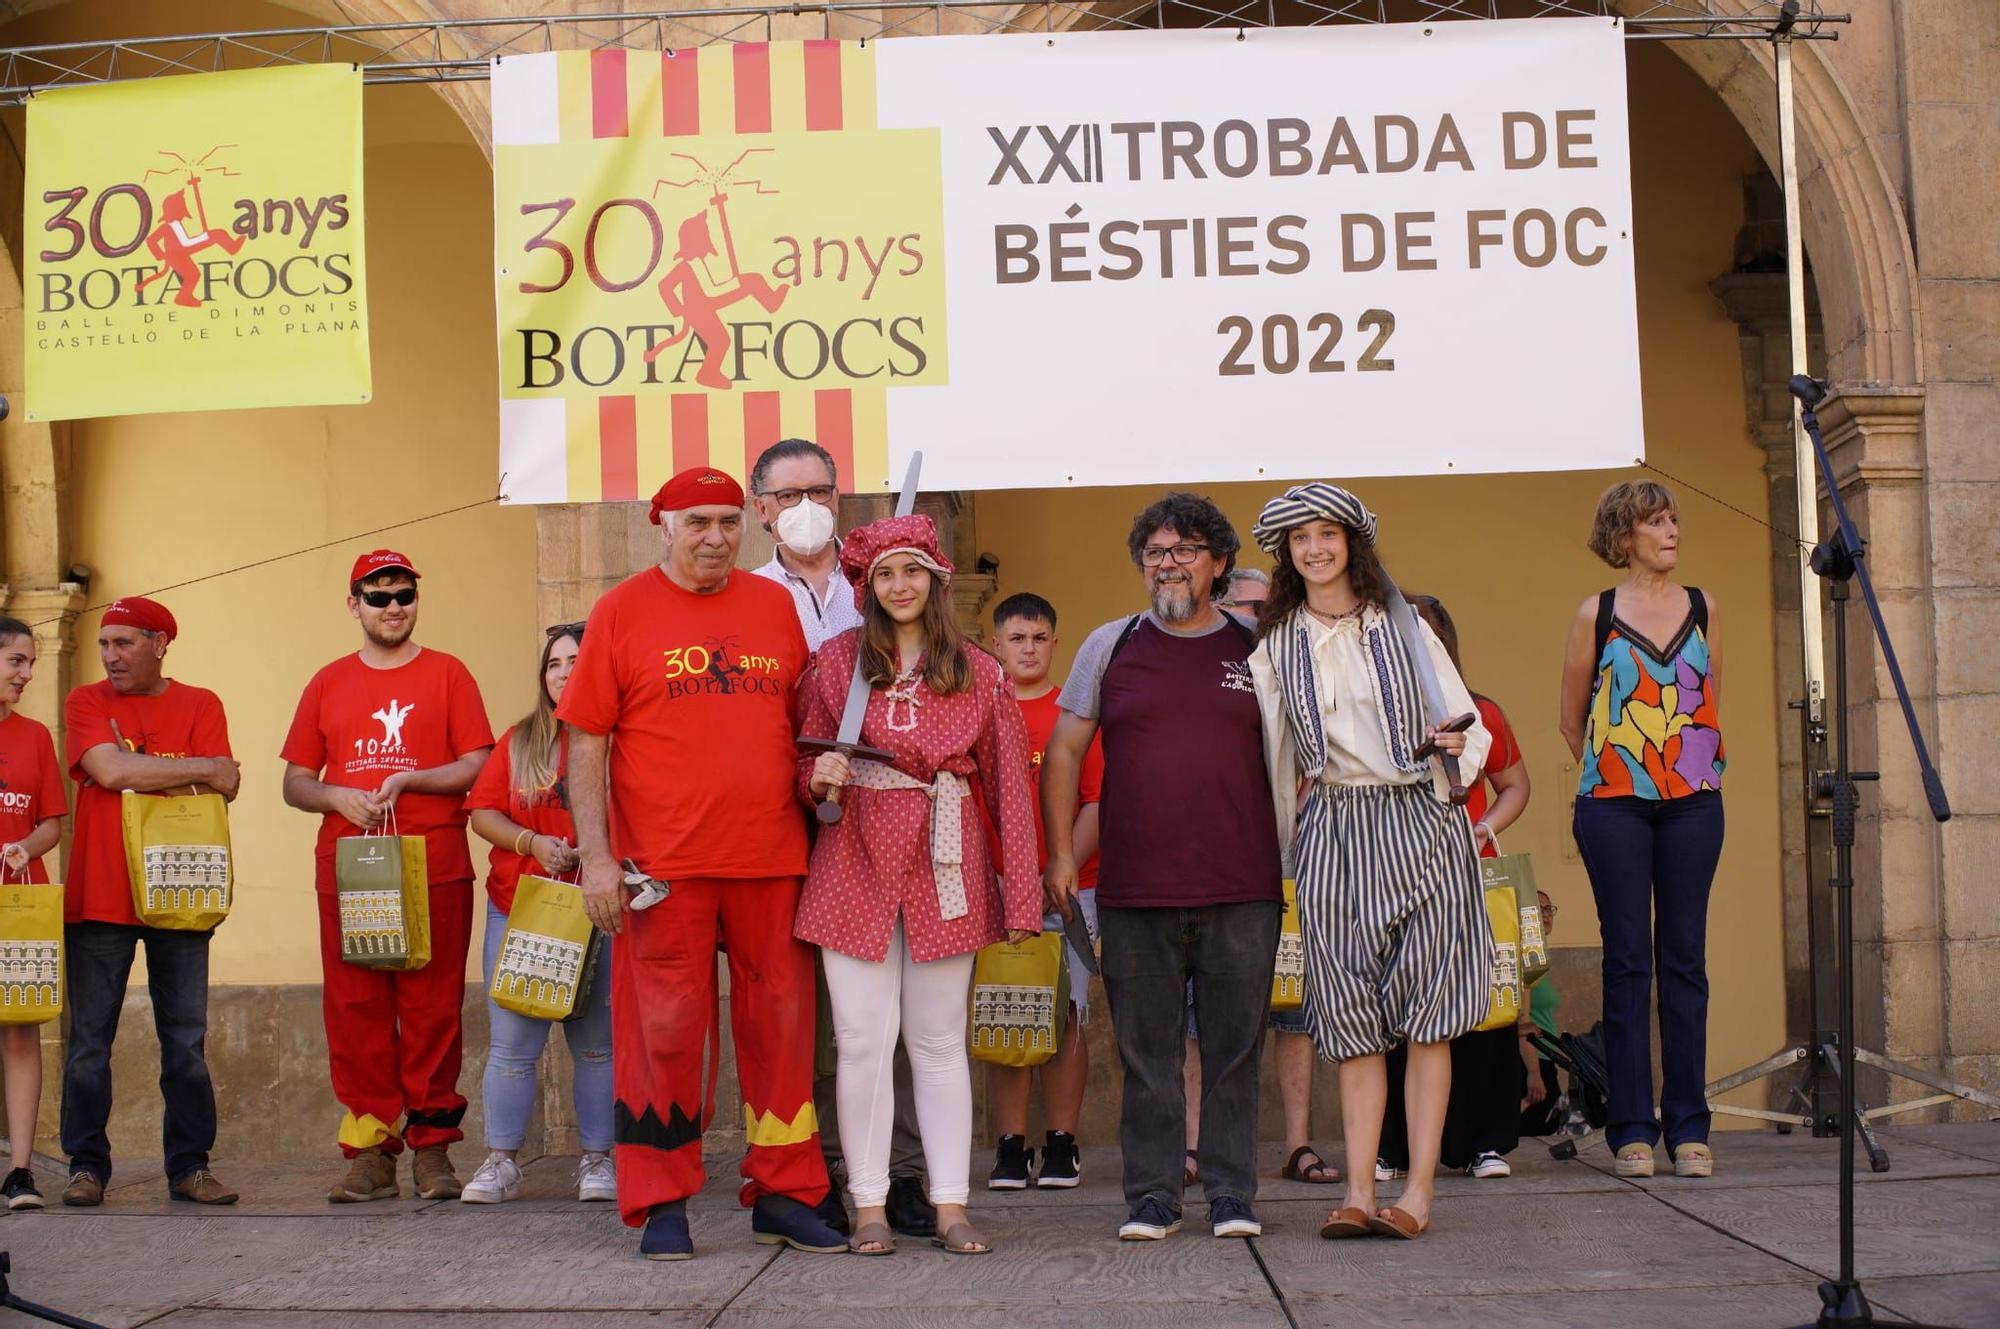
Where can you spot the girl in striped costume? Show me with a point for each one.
(1397, 943)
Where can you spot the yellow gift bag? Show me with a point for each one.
(1508, 998)
(1288, 980)
(548, 953)
(1020, 1000)
(177, 857)
(1518, 871)
(385, 900)
(31, 937)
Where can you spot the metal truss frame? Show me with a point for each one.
(460, 50)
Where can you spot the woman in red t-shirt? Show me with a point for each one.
(520, 805)
(32, 804)
(1489, 1079)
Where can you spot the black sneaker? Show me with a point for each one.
(1010, 1164)
(19, 1190)
(1062, 1167)
(909, 1210)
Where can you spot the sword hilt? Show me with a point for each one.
(1455, 779)
(828, 809)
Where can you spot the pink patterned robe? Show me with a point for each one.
(876, 859)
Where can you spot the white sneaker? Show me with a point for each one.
(1489, 1164)
(1383, 1172)
(497, 1181)
(596, 1177)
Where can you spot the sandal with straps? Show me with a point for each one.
(876, 1235)
(1319, 1172)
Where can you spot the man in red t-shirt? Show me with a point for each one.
(681, 717)
(141, 731)
(386, 741)
(1024, 639)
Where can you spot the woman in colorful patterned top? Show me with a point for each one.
(1641, 694)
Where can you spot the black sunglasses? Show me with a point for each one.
(402, 595)
(566, 630)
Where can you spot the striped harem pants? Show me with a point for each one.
(1390, 907)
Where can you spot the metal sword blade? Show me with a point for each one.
(1404, 619)
(856, 707)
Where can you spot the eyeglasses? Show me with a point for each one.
(1154, 555)
(402, 595)
(824, 495)
(566, 630)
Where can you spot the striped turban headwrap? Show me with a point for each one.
(1304, 503)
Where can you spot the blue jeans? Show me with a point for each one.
(507, 1089)
(98, 957)
(1229, 951)
(1651, 863)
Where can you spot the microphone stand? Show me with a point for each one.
(11, 1302)
(1838, 560)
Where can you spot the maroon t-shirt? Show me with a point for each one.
(1186, 816)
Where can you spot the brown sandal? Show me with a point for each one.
(1349, 1222)
(1394, 1222)
(963, 1239)
(1327, 1173)
(877, 1235)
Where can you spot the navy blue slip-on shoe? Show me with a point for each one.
(781, 1220)
(909, 1209)
(666, 1235)
(833, 1213)
(1151, 1221)
(1232, 1217)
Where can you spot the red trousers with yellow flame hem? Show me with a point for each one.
(663, 1019)
(394, 1038)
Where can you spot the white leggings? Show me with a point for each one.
(872, 1003)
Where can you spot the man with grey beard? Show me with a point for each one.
(1188, 877)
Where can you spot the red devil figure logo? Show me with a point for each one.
(692, 292)
(177, 239)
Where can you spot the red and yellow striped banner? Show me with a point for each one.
(621, 445)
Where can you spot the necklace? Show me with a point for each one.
(902, 688)
(1334, 620)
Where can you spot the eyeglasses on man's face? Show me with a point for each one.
(824, 495)
(402, 595)
(1154, 555)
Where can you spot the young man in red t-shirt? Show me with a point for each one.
(1024, 639)
(681, 715)
(386, 741)
(141, 731)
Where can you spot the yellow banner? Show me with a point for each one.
(701, 252)
(195, 243)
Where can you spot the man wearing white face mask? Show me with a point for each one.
(796, 492)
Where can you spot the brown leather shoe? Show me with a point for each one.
(371, 1175)
(84, 1191)
(201, 1187)
(432, 1174)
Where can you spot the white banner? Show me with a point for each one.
(1197, 256)
(1070, 259)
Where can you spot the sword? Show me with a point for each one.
(1404, 620)
(848, 742)
(1077, 933)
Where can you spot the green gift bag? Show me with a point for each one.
(385, 901)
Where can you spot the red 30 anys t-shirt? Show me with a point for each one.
(357, 726)
(31, 783)
(543, 811)
(697, 694)
(1040, 713)
(182, 722)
